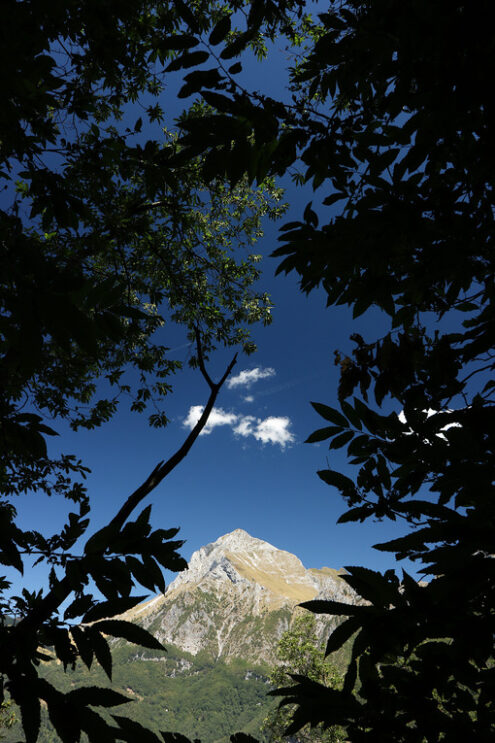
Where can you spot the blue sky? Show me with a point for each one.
(251, 468)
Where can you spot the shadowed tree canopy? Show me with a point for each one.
(102, 244)
(392, 122)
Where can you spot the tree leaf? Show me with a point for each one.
(82, 638)
(96, 696)
(179, 41)
(220, 31)
(134, 731)
(330, 414)
(339, 441)
(101, 650)
(30, 714)
(111, 608)
(322, 434)
(188, 59)
(130, 632)
(336, 479)
(335, 608)
(341, 634)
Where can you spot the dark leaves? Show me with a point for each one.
(130, 632)
(96, 696)
(179, 42)
(111, 608)
(188, 59)
(220, 31)
(336, 479)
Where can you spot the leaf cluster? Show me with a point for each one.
(299, 656)
(392, 124)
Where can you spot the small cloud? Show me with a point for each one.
(248, 398)
(274, 430)
(245, 427)
(218, 417)
(271, 430)
(248, 377)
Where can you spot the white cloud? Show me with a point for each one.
(271, 430)
(274, 430)
(218, 417)
(246, 426)
(248, 398)
(247, 377)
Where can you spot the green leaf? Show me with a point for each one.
(101, 539)
(330, 414)
(130, 632)
(310, 216)
(78, 607)
(154, 572)
(111, 608)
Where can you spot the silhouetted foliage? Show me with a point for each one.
(392, 119)
(102, 242)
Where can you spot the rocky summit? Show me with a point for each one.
(220, 621)
(236, 599)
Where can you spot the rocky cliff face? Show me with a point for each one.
(236, 599)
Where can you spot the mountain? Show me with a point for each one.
(220, 620)
(236, 599)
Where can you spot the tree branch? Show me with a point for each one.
(63, 588)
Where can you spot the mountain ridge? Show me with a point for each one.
(237, 597)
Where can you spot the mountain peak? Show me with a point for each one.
(239, 539)
(232, 583)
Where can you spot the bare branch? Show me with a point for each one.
(201, 361)
(62, 590)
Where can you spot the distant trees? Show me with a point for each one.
(7, 717)
(299, 654)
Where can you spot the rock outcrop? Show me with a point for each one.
(237, 597)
